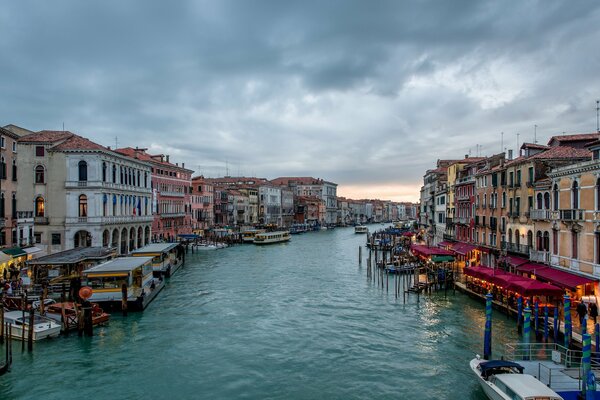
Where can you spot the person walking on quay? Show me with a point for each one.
(593, 311)
(581, 312)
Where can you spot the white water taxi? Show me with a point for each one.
(107, 280)
(505, 380)
(42, 327)
(272, 237)
(249, 235)
(164, 257)
(361, 229)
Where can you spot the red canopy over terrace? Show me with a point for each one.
(426, 251)
(463, 248)
(408, 234)
(562, 278)
(520, 284)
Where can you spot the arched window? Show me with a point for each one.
(575, 195)
(14, 206)
(103, 171)
(114, 173)
(546, 239)
(114, 208)
(539, 202)
(510, 236)
(138, 179)
(145, 179)
(538, 241)
(503, 199)
(39, 174)
(517, 237)
(529, 239)
(82, 170)
(121, 173)
(83, 205)
(555, 197)
(40, 206)
(547, 201)
(14, 170)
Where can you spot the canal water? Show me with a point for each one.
(289, 321)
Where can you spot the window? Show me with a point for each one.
(2, 141)
(114, 174)
(539, 201)
(55, 239)
(555, 197)
(14, 171)
(14, 206)
(38, 237)
(2, 168)
(554, 241)
(530, 173)
(103, 172)
(39, 174)
(39, 151)
(547, 201)
(14, 147)
(2, 209)
(518, 178)
(40, 206)
(597, 255)
(574, 243)
(82, 170)
(83, 205)
(575, 195)
(503, 199)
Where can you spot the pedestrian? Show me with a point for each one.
(593, 311)
(581, 312)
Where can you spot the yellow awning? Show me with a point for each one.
(108, 275)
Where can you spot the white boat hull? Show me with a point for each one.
(490, 391)
(40, 331)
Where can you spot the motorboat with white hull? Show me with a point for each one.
(42, 327)
(505, 380)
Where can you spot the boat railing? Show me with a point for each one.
(559, 379)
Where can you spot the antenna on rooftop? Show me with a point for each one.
(518, 134)
(116, 142)
(226, 168)
(535, 134)
(501, 141)
(598, 115)
(63, 126)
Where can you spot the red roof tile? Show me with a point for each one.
(534, 146)
(561, 152)
(574, 138)
(76, 142)
(46, 136)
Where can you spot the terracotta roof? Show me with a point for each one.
(76, 142)
(534, 146)
(562, 152)
(574, 138)
(46, 137)
(140, 154)
(300, 180)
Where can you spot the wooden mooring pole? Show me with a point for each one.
(359, 255)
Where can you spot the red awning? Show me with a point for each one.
(531, 287)
(463, 248)
(427, 251)
(531, 267)
(515, 261)
(444, 244)
(505, 280)
(408, 234)
(482, 272)
(563, 279)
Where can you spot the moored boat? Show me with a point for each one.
(165, 257)
(505, 380)
(272, 237)
(42, 327)
(135, 273)
(361, 229)
(68, 312)
(249, 235)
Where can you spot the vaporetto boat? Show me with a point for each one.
(272, 237)
(361, 229)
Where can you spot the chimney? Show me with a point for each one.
(182, 165)
(167, 158)
(510, 154)
(466, 156)
(108, 147)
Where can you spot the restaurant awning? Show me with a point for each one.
(562, 279)
(442, 258)
(32, 250)
(4, 258)
(427, 251)
(444, 244)
(515, 261)
(531, 267)
(408, 234)
(463, 248)
(14, 252)
(482, 272)
(532, 287)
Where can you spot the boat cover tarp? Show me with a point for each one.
(490, 366)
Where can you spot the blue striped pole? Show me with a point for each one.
(556, 322)
(568, 324)
(519, 312)
(597, 332)
(546, 323)
(586, 360)
(527, 332)
(487, 337)
(584, 325)
(536, 317)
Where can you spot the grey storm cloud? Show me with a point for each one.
(357, 92)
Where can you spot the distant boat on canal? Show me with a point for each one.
(361, 229)
(249, 235)
(165, 259)
(272, 237)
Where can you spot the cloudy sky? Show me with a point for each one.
(367, 94)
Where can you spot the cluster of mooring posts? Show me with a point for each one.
(389, 254)
(567, 369)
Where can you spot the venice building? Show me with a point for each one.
(82, 193)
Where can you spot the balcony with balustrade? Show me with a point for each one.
(570, 215)
(539, 256)
(515, 248)
(540, 215)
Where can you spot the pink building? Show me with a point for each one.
(202, 204)
(171, 195)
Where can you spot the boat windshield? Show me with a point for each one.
(36, 320)
(106, 282)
